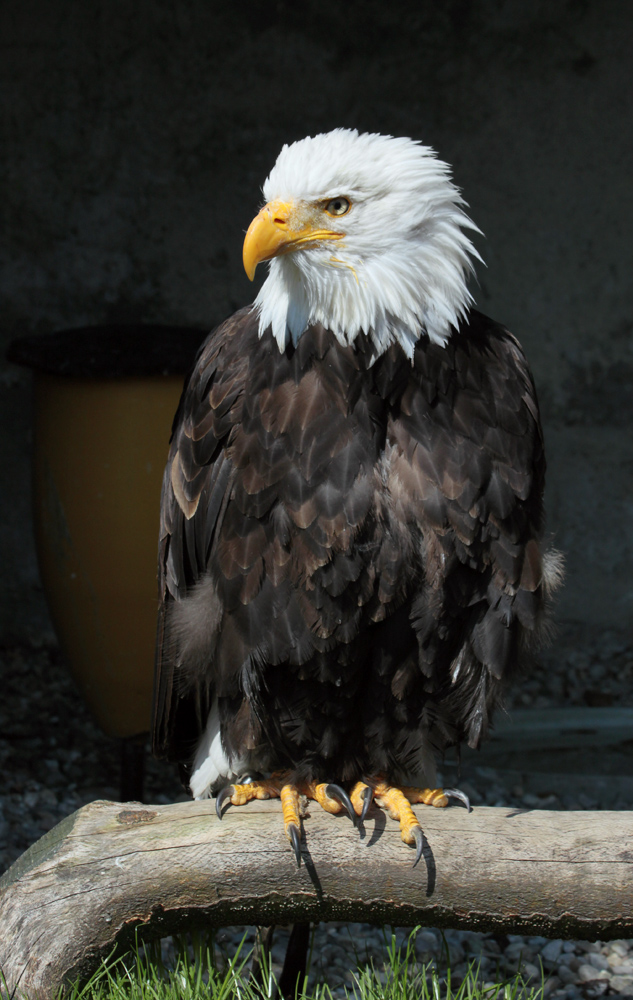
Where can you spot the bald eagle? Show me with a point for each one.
(351, 561)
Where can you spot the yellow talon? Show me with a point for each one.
(254, 790)
(427, 796)
(397, 805)
(291, 808)
(319, 794)
(357, 795)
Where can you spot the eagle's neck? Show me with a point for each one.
(414, 288)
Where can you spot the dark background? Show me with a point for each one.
(136, 136)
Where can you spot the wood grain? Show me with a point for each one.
(112, 867)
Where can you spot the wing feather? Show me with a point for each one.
(196, 485)
(469, 457)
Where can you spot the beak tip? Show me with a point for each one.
(250, 269)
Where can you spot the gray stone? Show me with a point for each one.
(551, 985)
(589, 946)
(614, 958)
(599, 961)
(622, 984)
(552, 950)
(620, 946)
(456, 953)
(526, 950)
(586, 973)
(587, 801)
(624, 969)
(426, 941)
(566, 975)
(531, 972)
(490, 946)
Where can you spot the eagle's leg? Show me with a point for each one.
(291, 808)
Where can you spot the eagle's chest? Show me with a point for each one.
(315, 518)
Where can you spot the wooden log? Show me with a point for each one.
(110, 868)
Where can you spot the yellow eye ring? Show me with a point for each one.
(338, 206)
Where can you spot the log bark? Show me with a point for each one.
(110, 868)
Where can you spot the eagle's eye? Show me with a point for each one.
(338, 206)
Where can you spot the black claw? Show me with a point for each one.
(368, 796)
(338, 793)
(295, 840)
(225, 794)
(418, 836)
(454, 793)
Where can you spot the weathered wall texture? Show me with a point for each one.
(136, 136)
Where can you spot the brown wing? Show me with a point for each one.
(468, 466)
(269, 484)
(196, 485)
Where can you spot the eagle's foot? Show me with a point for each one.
(426, 796)
(362, 796)
(291, 808)
(271, 788)
(397, 802)
(239, 795)
(330, 797)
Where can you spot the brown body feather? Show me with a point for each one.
(350, 554)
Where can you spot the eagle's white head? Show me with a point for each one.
(364, 233)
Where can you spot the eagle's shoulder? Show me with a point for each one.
(472, 406)
(219, 362)
(196, 472)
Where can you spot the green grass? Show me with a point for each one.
(197, 975)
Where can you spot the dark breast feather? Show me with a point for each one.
(349, 553)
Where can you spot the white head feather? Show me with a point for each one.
(401, 269)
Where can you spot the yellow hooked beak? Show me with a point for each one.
(282, 227)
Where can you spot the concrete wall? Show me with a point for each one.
(136, 136)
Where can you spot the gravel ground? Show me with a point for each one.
(577, 970)
(54, 760)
